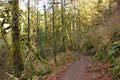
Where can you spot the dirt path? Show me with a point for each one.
(84, 68)
(78, 70)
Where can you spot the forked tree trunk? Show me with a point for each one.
(17, 57)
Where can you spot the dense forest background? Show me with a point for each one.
(37, 37)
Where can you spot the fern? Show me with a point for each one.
(113, 51)
(45, 69)
(115, 68)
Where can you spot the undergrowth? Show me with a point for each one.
(105, 42)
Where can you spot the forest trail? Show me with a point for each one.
(78, 70)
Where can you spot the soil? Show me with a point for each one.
(78, 70)
(84, 68)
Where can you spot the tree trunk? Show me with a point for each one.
(46, 35)
(118, 4)
(53, 10)
(63, 25)
(29, 22)
(17, 57)
(38, 23)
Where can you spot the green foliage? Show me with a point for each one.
(45, 69)
(99, 56)
(112, 53)
(81, 26)
(115, 68)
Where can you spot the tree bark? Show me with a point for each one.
(46, 35)
(63, 25)
(17, 57)
(54, 52)
(29, 21)
(118, 4)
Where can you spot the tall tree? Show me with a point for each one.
(46, 35)
(62, 21)
(53, 22)
(37, 21)
(17, 57)
(29, 22)
(28, 17)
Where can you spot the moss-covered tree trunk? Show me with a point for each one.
(17, 57)
(46, 33)
(53, 24)
(63, 24)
